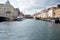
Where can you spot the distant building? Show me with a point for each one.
(51, 12)
(28, 16)
(20, 15)
(43, 14)
(36, 15)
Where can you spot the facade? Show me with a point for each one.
(16, 14)
(20, 15)
(28, 16)
(54, 12)
(57, 12)
(38, 15)
(50, 12)
(44, 14)
(7, 10)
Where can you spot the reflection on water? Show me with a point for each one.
(29, 30)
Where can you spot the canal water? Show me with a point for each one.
(29, 29)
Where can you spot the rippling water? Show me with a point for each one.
(29, 30)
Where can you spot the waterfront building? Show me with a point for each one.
(39, 15)
(57, 12)
(20, 14)
(44, 13)
(51, 12)
(36, 15)
(7, 10)
(28, 16)
(54, 12)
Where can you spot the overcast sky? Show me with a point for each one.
(31, 6)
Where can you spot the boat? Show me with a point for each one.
(57, 20)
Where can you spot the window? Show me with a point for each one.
(8, 12)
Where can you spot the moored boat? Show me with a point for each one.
(57, 20)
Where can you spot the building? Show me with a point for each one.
(44, 13)
(28, 16)
(54, 12)
(37, 15)
(20, 15)
(7, 10)
(57, 12)
(50, 13)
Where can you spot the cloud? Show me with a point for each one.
(2, 1)
(15, 3)
(24, 4)
(32, 6)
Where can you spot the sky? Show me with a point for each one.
(31, 6)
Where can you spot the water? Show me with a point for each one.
(29, 30)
